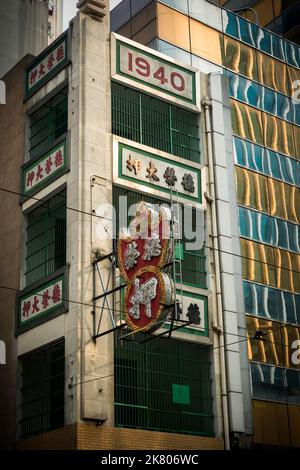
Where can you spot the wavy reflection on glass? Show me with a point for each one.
(263, 228)
(275, 383)
(267, 195)
(272, 266)
(266, 161)
(278, 345)
(274, 304)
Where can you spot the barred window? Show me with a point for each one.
(48, 123)
(153, 122)
(163, 385)
(42, 390)
(46, 238)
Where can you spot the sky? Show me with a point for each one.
(69, 10)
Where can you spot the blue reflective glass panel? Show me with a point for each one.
(277, 47)
(281, 235)
(293, 385)
(266, 161)
(230, 24)
(243, 89)
(288, 307)
(292, 53)
(284, 109)
(261, 301)
(267, 382)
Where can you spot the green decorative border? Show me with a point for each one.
(189, 329)
(54, 311)
(64, 38)
(150, 85)
(48, 179)
(153, 186)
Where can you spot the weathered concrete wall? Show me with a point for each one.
(12, 138)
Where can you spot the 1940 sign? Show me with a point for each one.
(141, 65)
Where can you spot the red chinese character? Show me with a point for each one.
(56, 294)
(48, 166)
(50, 61)
(26, 308)
(42, 70)
(35, 307)
(33, 76)
(58, 158)
(30, 178)
(39, 173)
(46, 298)
(60, 53)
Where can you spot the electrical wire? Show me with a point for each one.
(183, 326)
(45, 200)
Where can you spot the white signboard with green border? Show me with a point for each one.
(156, 73)
(45, 66)
(193, 309)
(157, 172)
(39, 304)
(42, 171)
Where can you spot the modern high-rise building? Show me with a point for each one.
(185, 121)
(279, 16)
(23, 30)
(263, 76)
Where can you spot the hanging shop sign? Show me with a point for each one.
(144, 252)
(39, 173)
(47, 65)
(152, 71)
(157, 172)
(41, 303)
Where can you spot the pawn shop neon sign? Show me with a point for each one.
(144, 255)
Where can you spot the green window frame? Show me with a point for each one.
(194, 261)
(42, 390)
(48, 123)
(46, 238)
(163, 385)
(155, 123)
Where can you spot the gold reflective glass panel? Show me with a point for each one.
(258, 262)
(277, 346)
(272, 266)
(252, 190)
(240, 58)
(296, 134)
(293, 75)
(287, 270)
(270, 349)
(272, 73)
(206, 42)
(264, 10)
(284, 200)
(247, 122)
(278, 134)
(173, 26)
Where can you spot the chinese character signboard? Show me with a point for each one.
(41, 303)
(141, 67)
(47, 65)
(157, 173)
(192, 308)
(144, 252)
(39, 173)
